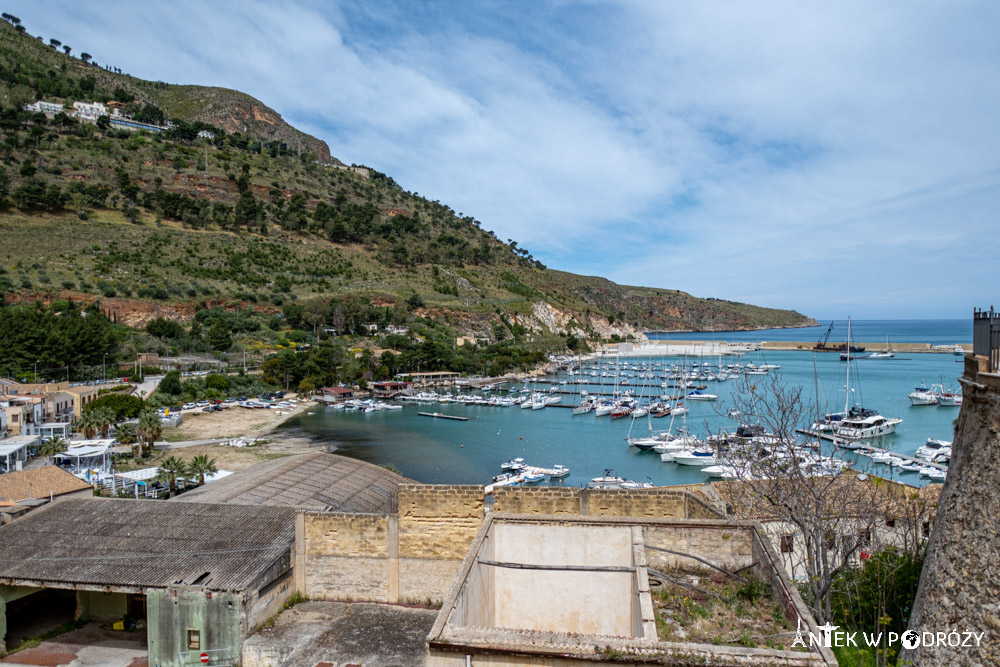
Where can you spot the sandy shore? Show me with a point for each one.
(237, 422)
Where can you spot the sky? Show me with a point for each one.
(837, 158)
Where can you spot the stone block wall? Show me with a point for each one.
(439, 522)
(658, 503)
(727, 547)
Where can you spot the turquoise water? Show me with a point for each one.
(935, 332)
(443, 451)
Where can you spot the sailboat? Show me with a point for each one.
(888, 354)
(856, 423)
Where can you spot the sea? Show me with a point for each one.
(442, 451)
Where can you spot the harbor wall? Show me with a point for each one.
(415, 555)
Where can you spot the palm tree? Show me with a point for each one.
(170, 469)
(104, 418)
(148, 429)
(52, 446)
(201, 466)
(88, 424)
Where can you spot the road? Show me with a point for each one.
(148, 386)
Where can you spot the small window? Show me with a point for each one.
(927, 529)
(194, 640)
(890, 523)
(787, 544)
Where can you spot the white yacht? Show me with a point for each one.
(866, 428)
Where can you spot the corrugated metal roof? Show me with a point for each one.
(319, 481)
(146, 543)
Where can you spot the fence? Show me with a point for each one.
(986, 336)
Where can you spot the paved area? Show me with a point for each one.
(340, 633)
(89, 646)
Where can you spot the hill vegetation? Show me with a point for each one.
(230, 210)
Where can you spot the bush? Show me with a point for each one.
(124, 406)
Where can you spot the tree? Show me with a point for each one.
(218, 336)
(104, 419)
(85, 57)
(66, 49)
(148, 429)
(126, 434)
(103, 123)
(170, 384)
(199, 466)
(170, 469)
(88, 424)
(827, 514)
(52, 446)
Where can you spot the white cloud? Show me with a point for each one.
(822, 157)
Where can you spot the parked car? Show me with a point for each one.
(229, 400)
(202, 403)
(188, 406)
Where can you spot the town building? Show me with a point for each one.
(89, 111)
(198, 577)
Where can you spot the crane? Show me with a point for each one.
(821, 345)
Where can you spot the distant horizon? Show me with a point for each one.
(782, 155)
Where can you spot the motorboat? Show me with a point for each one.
(933, 448)
(866, 428)
(558, 472)
(695, 457)
(950, 399)
(698, 395)
(513, 464)
(610, 480)
(533, 477)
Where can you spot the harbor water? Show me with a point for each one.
(459, 452)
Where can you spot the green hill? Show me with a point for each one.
(259, 215)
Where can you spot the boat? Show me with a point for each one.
(950, 399)
(558, 472)
(533, 477)
(921, 395)
(698, 395)
(888, 354)
(958, 351)
(866, 428)
(513, 464)
(610, 480)
(824, 346)
(933, 448)
(695, 457)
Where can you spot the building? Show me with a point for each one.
(388, 389)
(15, 450)
(23, 414)
(561, 591)
(45, 107)
(874, 515)
(46, 484)
(81, 395)
(336, 394)
(202, 577)
(428, 378)
(318, 482)
(205, 134)
(89, 111)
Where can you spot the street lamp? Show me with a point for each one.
(104, 368)
(36, 370)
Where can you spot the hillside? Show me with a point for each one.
(259, 215)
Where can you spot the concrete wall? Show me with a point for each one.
(102, 606)
(586, 602)
(172, 612)
(9, 594)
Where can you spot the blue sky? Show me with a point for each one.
(835, 158)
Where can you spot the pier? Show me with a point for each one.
(438, 415)
(905, 457)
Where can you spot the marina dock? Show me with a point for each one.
(438, 415)
(906, 457)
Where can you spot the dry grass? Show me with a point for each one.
(745, 615)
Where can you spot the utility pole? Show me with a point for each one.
(104, 368)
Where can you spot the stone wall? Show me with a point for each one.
(657, 503)
(727, 547)
(410, 557)
(959, 590)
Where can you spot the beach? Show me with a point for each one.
(204, 434)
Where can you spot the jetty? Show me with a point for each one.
(439, 415)
(905, 457)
